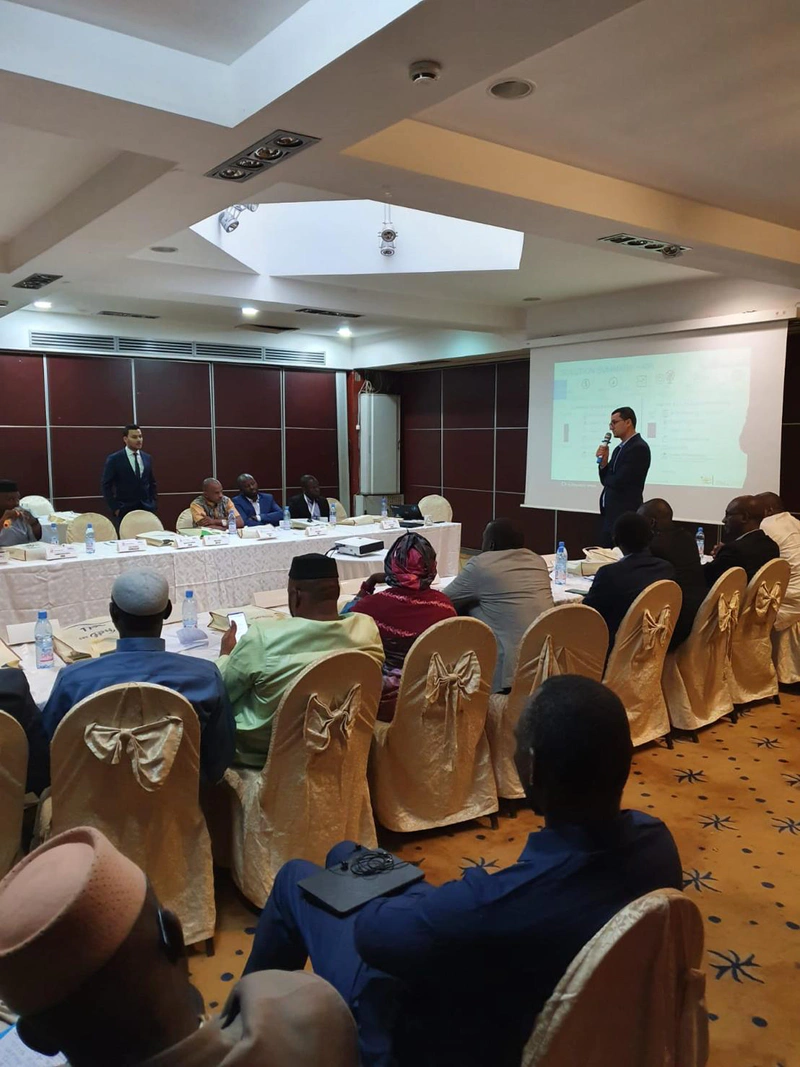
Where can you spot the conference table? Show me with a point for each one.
(227, 575)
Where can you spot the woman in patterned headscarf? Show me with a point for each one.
(407, 608)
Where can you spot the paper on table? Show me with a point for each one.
(14, 1054)
(21, 633)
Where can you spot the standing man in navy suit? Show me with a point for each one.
(623, 476)
(128, 483)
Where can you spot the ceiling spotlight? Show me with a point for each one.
(345, 331)
(249, 312)
(289, 141)
(163, 249)
(267, 153)
(42, 305)
(260, 156)
(671, 251)
(249, 164)
(229, 218)
(511, 89)
(387, 233)
(388, 250)
(232, 173)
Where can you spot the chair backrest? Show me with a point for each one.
(139, 522)
(314, 789)
(636, 663)
(765, 592)
(566, 639)
(718, 615)
(437, 507)
(341, 510)
(185, 520)
(103, 528)
(13, 772)
(633, 996)
(39, 506)
(127, 761)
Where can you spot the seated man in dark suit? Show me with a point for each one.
(16, 701)
(677, 546)
(617, 585)
(128, 482)
(310, 504)
(745, 545)
(256, 509)
(456, 974)
(17, 526)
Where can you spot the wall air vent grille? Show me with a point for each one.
(201, 350)
(329, 314)
(127, 315)
(278, 355)
(135, 345)
(85, 342)
(214, 351)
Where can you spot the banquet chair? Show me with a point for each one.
(634, 996)
(39, 506)
(103, 528)
(431, 765)
(696, 674)
(312, 792)
(185, 520)
(753, 676)
(139, 522)
(341, 510)
(786, 654)
(636, 662)
(437, 507)
(126, 760)
(567, 639)
(13, 772)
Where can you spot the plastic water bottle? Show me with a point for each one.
(700, 538)
(43, 638)
(286, 521)
(332, 514)
(231, 524)
(384, 508)
(189, 610)
(88, 540)
(52, 536)
(560, 569)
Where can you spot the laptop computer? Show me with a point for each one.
(363, 876)
(406, 511)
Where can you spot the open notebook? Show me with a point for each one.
(14, 1054)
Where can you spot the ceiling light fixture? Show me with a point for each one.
(511, 89)
(249, 312)
(229, 218)
(425, 70)
(164, 250)
(345, 331)
(388, 234)
(42, 305)
(645, 244)
(37, 281)
(258, 157)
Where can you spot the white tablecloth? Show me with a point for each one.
(73, 590)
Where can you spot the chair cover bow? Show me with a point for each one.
(151, 747)
(448, 685)
(728, 616)
(548, 664)
(322, 717)
(767, 599)
(655, 628)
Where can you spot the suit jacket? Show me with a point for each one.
(16, 700)
(677, 546)
(298, 508)
(271, 513)
(121, 488)
(751, 551)
(623, 481)
(617, 585)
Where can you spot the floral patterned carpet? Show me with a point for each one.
(732, 802)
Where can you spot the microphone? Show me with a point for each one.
(605, 441)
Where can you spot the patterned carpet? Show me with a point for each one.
(732, 802)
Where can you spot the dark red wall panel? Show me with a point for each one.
(537, 524)
(312, 452)
(247, 396)
(512, 448)
(578, 530)
(421, 457)
(469, 459)
(90, 391)
(473, 511)
(256, 452)
(512, 393)
(81, 504)
(468, 397)
(171, 393)
(790, 467)
(422, 400)
(22, 389)
(79, 453)
(23, 458)
(310, 399)
(181, 458)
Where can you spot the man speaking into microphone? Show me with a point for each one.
(623, 475)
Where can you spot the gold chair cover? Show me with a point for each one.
(636, 662)
(103, 528)
(786, 654)
(312, 792)
(696, 676)
(753, 675)
(185, 520)
(634, 996)
(13, 772)
(139, 522)
(127, 761)
(437, 507)
(431, 766)
(567, 639)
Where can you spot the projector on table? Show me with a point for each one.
(359, 546)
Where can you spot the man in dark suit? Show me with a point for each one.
(310, 504)
(128, 483)
(617, 585)
(256, 509)
(745, 545)
(16, 701)
(677, 546)
(623, 475)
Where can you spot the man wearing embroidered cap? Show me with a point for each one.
(258, 670)
(95, 969)
(139, 604)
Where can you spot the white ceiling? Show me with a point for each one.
(204, 28)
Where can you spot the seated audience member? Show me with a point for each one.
(457, 974)
(507, 587)
(256, 509)
(405, 610)
(17, 526)
(16, 701)
(212, 507)
(784, 529)
(310, 504)
(139, 605)
(745, 545)
(677, 546)
(617, 585)
(96, 970)
(258, 670)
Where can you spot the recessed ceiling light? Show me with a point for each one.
(249, 312)
(232, 173)
(511, 89)
(345, 331)
(42, 305)
(163, 249)
(249, 164)
(288, 141)
(267, 153)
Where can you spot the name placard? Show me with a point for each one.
(390, 524)
(316, 531)
(216, 539)
(266, 533)
(131, 545)
(185, 542)
(60, 551)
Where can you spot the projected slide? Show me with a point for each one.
(691, 409)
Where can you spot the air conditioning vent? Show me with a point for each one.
(134, 345)
(214, 351)
(86, 342)
(259, 327)
(329, 314)
(37, 281)
(279, 355)
(127, 315)
(645, 244)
